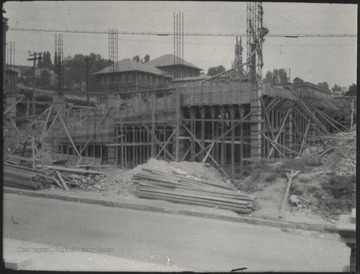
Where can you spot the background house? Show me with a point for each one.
(129, 75)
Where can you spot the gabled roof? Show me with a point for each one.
(168, 60)
(130, 65)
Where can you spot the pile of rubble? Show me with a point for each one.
(325, 186)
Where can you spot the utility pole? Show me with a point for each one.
(35, 58)
(87, 59)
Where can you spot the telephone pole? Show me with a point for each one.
(35, 57)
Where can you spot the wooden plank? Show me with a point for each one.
(290, 176)
(280, 145)
(279, 133)
(62, 180)
(208, 152)
(78, 170)
(69, 136)
(57, 182)
(165, 144)
(6, 111)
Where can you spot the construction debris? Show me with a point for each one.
(53, 177)
(326, 189)
(25, 178)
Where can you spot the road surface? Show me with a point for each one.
(193, 243)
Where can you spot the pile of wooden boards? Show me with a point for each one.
(53, 176)
(153, 184)
(25, 178)
(64, 177)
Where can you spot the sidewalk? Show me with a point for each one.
(23, 255)
(166, 207)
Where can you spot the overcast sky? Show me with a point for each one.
(312, 59)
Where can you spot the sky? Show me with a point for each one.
(315, 60)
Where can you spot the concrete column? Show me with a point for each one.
(255, 128)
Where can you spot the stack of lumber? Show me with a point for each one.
(85, 179)
(25, 178)
(53, 176)
(153, 184)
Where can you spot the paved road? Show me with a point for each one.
(193, 243)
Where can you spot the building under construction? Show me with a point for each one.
(228, 120)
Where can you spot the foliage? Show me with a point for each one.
(277, 77)
(74, 69)
(142, 60)
(324, 85)
(352, 90)
(336, 88)
(216, 70)
(44, 80)
(46, 61)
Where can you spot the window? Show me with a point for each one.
(123, 78)
(116, 79)
(140, 79)
(162, 80)
(145, 80)
(156, 82)
(130, 78)
(102, 80)
(150, 80)
(108, 80)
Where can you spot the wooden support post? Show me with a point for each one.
(153, 98)
(232, 116)
(178, 105)
(212, 158)
(134, 148)
(279, 133)
(290, 177)
(192, 127)
(164, 146)
(69, 136)
(126, 148)
(241, 115)
(158, 142)
(6, 111)
(62, 180)
(116, 148)
(304, 137)
(222, 147)
(43, 137)
(280, 145)
(202, 132)
(212, 113)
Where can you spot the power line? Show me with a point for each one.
(186, 34)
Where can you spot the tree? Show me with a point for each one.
(352, 91)
(324, 85)
(46, 61)
(136, 58)
(74, 69)
(277, 77)
(44, 80)
(146, 58)
(336, 88)
(216, 70)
